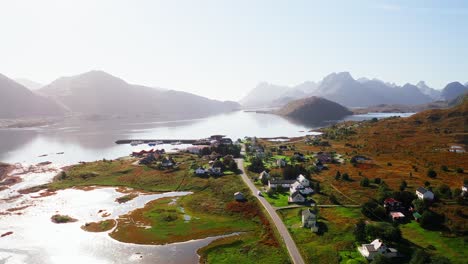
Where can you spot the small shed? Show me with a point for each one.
(238, 196)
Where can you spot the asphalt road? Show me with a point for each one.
(283, 231)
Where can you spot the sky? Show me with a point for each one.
(222, 49)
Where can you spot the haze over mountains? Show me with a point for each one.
(344, 89)
(99, 93)
(17, 101)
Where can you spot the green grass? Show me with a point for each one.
(278, 199)
(335, 233)
(242, 249)
(352, 257)
(453, 248)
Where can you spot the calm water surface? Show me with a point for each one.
(93, 140)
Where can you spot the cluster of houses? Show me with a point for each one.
(299, 189)
(212, 141)
(147, 157)
(211, 171)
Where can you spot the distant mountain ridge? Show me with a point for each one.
(31, 85)
(16, 101)
(99, 93)
(453, 90)
(344, 89)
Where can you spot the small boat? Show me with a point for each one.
(176, 143)
(159, 142)
(152, 143)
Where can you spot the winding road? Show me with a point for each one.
(283, 231)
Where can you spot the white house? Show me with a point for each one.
(238, 196)
(303, 181)
(296, 197)
(309, 220)
(200, 171)
(298, 187)
(264, 176)
(280, 163)
(465, 189)
(280, 183)
(424, 194)
(457, 149)
(376, 247)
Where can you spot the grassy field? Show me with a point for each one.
(453, 248)
(278, 199)
(336, 227)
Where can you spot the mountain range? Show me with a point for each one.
(344, 89)
(99, 93)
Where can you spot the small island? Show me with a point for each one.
(62, 219)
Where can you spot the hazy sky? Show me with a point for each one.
(222, 49)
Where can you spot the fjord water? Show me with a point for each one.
(85, 140)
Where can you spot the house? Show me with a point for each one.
(148, 159)
(280, 183)
(376, 247)
(457, 149)
(238, 196)
(215, 171)
(296, 197)
(297, 186)
(303, 181)
(226, 141)
(464, 189)
(264, 176)
(196, 149)
(324, 157)
(299, 156)
(200, 171)
(424, 194)
(392, 204)
(309, 220)
(280, 163)
(397, 216)
(167, 162)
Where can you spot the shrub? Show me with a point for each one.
(459, 170)
(364, 182)
(377, 180)
(346, 177)
(431, 173)
(337, 175)
(389, 164)
(443, 168)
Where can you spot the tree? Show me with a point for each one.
(380, 259)
(337, 175)
(373, 210)
(419, 257)
(444, 191)
(430, 219)
(256, 165)
(364, 182)
(444, 168)
(403, 185)
(317, 187)
(377, 180)
(291, 172)
(346, 176)
(431, 173)
(360, 231)
(459, 170)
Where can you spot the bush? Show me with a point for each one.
(431, 173)
(337, 175)
(373, 210)
(389, 164)
(443, 168)
(459, 170)
(346, 177)
(364, 182)
(377, 180)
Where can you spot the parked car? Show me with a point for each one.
(259, 193)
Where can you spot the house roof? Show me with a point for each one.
(377, 243)
(308, 213)
(390, 200)
(238, 193)
(370, 247)
(282, 181)
(397, 214)
(301, 178)
(295, 194)
(421, 190)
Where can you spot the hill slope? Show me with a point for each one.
(314, 109)
(97, 92)
(453, 90)
(16, 101)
